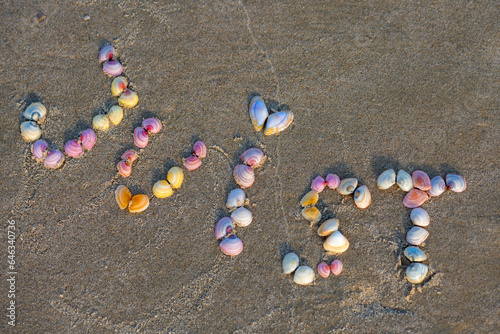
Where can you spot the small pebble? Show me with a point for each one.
(40, 16)
(86, 17)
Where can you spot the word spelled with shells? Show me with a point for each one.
(271, 123)
(194, 160)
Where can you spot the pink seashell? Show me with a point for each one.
(124, 168)
(253, 157)
(323, 269)
(141, 137)
(39, 149)
(73, 149)
(151, 125)
(244, 176)
(437, 186)
(107, 52)
(113, 68)
(332, 181)
(192, 162)
(415, 198)
(231, 246)
(336, 267)
(421, 180)
(88, 138)
(54, 159)
(200, 149)
(223, 227)
(318, 184)
(129, 156)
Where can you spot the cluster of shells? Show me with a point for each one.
(271, 123)
(304, 275)
(420, 188)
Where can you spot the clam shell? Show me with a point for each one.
(113, 68)
(151, 125)
(200, 149)
(456, 183)
(128, 99)
(88, 138)
(311, 214)
(347, 186)
(138, 203)
(115, 114)
(124, 168)
(73, 148)
(328, 227)
(118, 85)
(362, 197)
(304, 275)
(231, 246)
(244, 176)
(100, 122)
(386, 179)
(141, 137)
(310, 198)
(175, 177)
(318, 184)
(39, 149)
(235, 199)
(35, 112)
(30, 131)
(224, 227)
(416, 273)
(253, 157)
(122, 196)
(332, 181)
(258, 112)
(278, 122)
(107, 52)
(336, 267)
(162, 189)
(336, 243)
(421, 180)
(54, 159)
(415, 254)
(420, 217)
(192, 162)
(242, 217)
(415, 198)
(129, 156)
(437, 186)
(324, 270)
(417, 235)
(404, 181)
(290, 263)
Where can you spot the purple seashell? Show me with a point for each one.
(141, 137)
(39, 149)
(244, 176)
(231, 246)
(421, 180)
(437, 186)
(88, 138)
(332, 181)
(318, 184)
(73, 149)
(54, 159)
(253, 157)
(107, 52)
(415, 198)
(223, 227)
(113, 68)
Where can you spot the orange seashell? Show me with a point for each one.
(138, 203)
(123, 196)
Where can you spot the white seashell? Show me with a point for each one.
(386, 179)
(336, 243)
(438, 186)
(456, 183)
(415, 254)
(416, 273)
(35, 112)
(304, 275)
(290, 263)
(258, 112)
(242, 217)
(278, 122)
(347, 186)
(417, 236)
(235, 199)
(30, 131)
(362, 197)
(420, 217)
(328, 227)
(405, 181)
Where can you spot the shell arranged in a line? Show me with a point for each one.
(236, 199)
(200, 149)
(310, 198)
(162, 189)
(304, 275)
(258, 112)
(39, 149)
(336, 267)
(100, 122)
(312, 214)
(73, 148)
(224, 227)
(456, 183)
(318, 184)
(278, 122)
(347, 186)
(138, 203)
(328, 227)
(30, 131)
(387, 179)
(332, 181)
(128, 99)
(242, 217)
(88, 139)
(421, 180)
(141, 137)
(192, 162)
(54, 159)
(290, 263)
(253, 157)
(151, 125)
(336, 243)
(115, 115)
(415, 254)
(232, 245)
(416, 272)
(118, 85)
(175, 176)
(106, 53)
(124, 168)
(415, 198)
(404, 181)
(417, 235)
(244, 176)
(362, 197)
(122, 196)
(35, 112)
(113, 68)
(324, 270)
(437, 186)
(420, 217)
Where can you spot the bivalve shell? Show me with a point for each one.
(386, 179)
(192, 162)
(336, 243)
(88, 138)
(39, 149)
(30, 131)
(244, 176)
(278, 122)
(324, 270)
(253, 157)
(258, 112)
(415, 254)
(310, 198)
(124, 168)
(362, 197)
(290, 263)
(73, 148)
(232, 245)
(417, 235)
(101, 123)
(347, 186)
(456, 183)
(128, 99)
(318, 184)
(129, 156)
(332, 181)
(35, 112)
(328, 227)
(54, 159)
(415, 198)
(107, 52)
(113, 68)
(416, 273)
(336, 267)
(141, 137)
(122, 196)
(304, 275)
(242, 217)
(115, 115)
(162, 189)
(138, 203)
(420, 217)
(118, 85)
(437, 186)
(175, 177)
(404, 181)
(421, 180)
(224, 227)
(200, 149)
(312, 214)
(236, 199)
(151, 125)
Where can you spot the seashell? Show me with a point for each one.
(115, 114)
(122, 196)
(332, 181)
(113, 68)
(417, 235)
(129, 156)
(128, 99)
(253, 157)
(192, 162)
(73, 149)
(235, 199)
(35, 112)
(336, 243)
(258, 112)
(304, 275)
(54, 159)
(141, 137)
(88, 138)
(162, 189)
(242, 217)
(100, 122)
(415, 254)
(421, 180)
(223, 227)
(416, 272)
(124, 168)
(318, 184)
(151, 125)
(310, 198)
(175, 177)
(30, 131)
(437, 186)
(362, 197)
(244, 176)
(200, 149)
(404, 181)
(323, 270)
(386, 179)
(311, 214)
(118, 85)
(336, 267)
(290, 263)
(420, 217)
(231, 246)
(278, 122)
(456, 183)
(107, 52)
(415, 198)
(39, 149)
(347, 186)
(328, 227)
(138, 203)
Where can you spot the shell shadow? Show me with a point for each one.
(431, 171)
(136, 189)
(382, 163)
(24, 102)
(341, 169)
(110, 103)
(102, 43)
(286, 248)
(251, 96)
(74, 132)
(273, 105)
(446, 169)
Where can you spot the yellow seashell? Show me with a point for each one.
(128, 99)
(118, 85)
(115, 114)
(138, 203)
(175, 177)
(310, 198)
(162, 189)
(100, 122)
(123, 196)
(312, 214)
